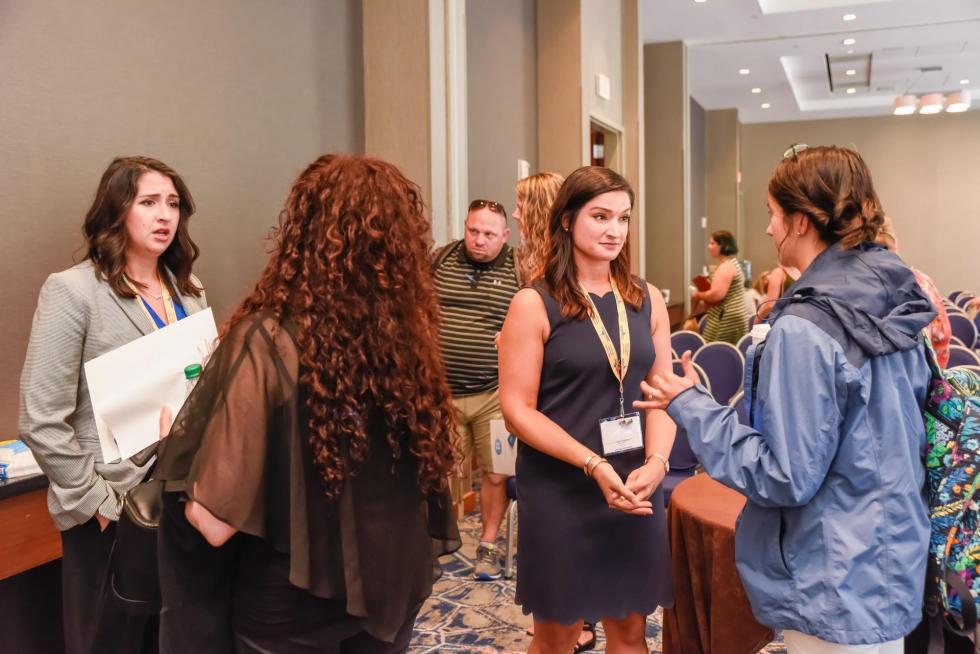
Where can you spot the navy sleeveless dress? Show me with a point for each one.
(580, 559)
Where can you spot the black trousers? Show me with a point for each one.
(94, 622)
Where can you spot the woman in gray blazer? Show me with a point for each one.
(136, 277)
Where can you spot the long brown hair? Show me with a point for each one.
(559, 272)
(105, 227)
(535, 194)
(832, 187)
(351, 270)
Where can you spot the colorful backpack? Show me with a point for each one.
(952, 420)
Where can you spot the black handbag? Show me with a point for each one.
(134, 576)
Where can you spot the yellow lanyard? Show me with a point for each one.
(168, 303)
(619, 364)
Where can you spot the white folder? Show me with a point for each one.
(129, 385)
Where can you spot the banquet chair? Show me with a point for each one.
(724, 365)
(963, 329)
(686, 340)
(962, 356)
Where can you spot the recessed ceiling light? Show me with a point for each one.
(757, 90)
(849, 41)
(849, 17)
(766, 105)
(700, 1)
(744, 71)
(852, 90)
(850, 71)
(964, 82)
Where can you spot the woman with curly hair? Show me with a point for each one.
(535, 195)
(305, 477)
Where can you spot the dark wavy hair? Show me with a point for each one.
(726, 242)
(351, 270)
(832, 187)
(559, 270)
(105, 227)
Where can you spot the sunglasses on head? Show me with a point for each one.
(496, 207)
(794, 151)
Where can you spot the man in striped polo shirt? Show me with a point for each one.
(475, 280)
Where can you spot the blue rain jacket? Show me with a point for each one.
(833, 538)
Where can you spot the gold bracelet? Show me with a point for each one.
(663, 459)
(585, 466)
(599, 461)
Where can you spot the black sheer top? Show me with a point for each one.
(240, 448)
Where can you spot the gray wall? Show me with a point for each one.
(501, 79)
(236, 95)
(925, 172)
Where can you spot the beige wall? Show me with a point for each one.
(602, 52)
(236, 95)
(665, 126)
(721, 148)
(396, 87)
(502, 97)
(559, 94)
(925, 170)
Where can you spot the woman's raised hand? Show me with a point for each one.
(665, 388)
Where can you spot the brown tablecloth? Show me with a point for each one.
(711, 613)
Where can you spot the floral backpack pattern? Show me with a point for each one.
(952, 421)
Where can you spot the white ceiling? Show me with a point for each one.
(794, 49)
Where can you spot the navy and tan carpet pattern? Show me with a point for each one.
(464, 615)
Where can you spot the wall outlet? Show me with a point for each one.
(704, 222)
(523, 169)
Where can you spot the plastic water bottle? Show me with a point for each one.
(192, 373)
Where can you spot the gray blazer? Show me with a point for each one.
(78, 318)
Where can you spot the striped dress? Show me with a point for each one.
(474, 298)
(729, 321)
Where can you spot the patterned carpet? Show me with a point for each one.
(477, 617)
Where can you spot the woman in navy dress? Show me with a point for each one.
(592, 524)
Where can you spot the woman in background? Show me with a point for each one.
(535, 195)
(779, 280)
(136, 278)
(727, 317)
(939, 331)
(306, 491)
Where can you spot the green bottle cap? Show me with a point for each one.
(192, 371)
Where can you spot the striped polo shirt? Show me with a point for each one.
(474, 298)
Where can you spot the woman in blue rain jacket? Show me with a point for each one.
(831, 546)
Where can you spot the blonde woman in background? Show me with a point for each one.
(535, 195)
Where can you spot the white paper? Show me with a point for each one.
(129, 385)
(503, 449)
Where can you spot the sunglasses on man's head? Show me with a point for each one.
(794, 151)
(496, 207)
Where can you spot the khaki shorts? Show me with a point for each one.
(474, 413)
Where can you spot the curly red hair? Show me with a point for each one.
(351, 269)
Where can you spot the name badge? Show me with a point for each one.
(621, 434)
